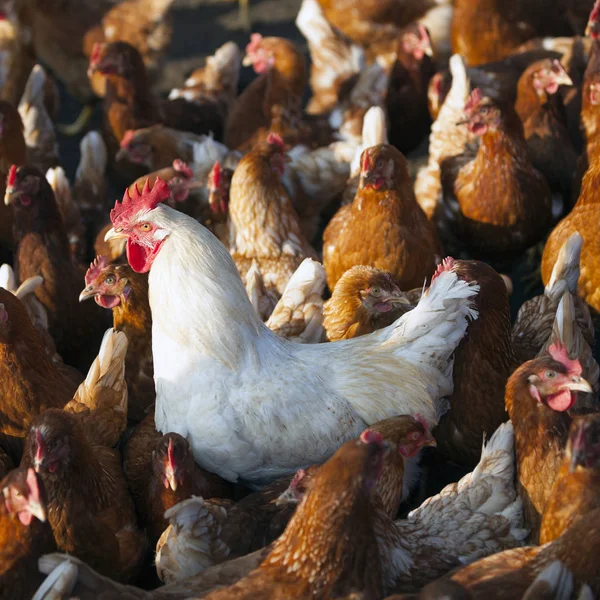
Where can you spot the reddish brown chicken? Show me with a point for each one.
(218, 184)
(483, 361)
(576, 490)
(161, 472)
(541, 109)
(43, 248)
(89, 506)
(329, 547)
(273, 101)
(29, 380)
(538, 395)
(503, 204)
(24, 533)
(406, 98)
(119, 288)
(266, 226)
(12, 151)
(130, 104)
(364, 300)
(384, 227)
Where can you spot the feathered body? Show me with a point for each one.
(225, 392)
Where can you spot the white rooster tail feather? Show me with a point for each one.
(555, 581)
(94, 156)
(191, 542)
(374, 132)
(565, 273)
(28, 286)
(224, 65)
(585, 593)
(262, 299)
(298, 315)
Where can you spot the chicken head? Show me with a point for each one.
(382, 167)
(131, 218)
(481, 113)
(49, 442)
(556, 380)
(106, 283)
(380, 293)
(24, 496)
(416, 41)
(550, 76)
(172, 461)
(115, 58)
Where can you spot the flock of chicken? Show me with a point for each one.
(238, 435)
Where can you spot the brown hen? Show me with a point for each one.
(384, 227)
(24, 533)
(538, 395)
(43, 249)
(89, 506)
(576, 489)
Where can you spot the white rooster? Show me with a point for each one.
(252, 405)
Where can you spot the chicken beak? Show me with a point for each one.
(9, 195)
(114, 234)
(579, 384)
(170, 478)
(428, 51)
(401, 301)
(88, 292)
(564, 79)
(430, 442)
(36, 509)
(247, 61)
(464, 122)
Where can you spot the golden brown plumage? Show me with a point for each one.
(384, 227)
(538, 395)
(24, 533)
(90, 509)
(504, 204)
(329, 547)
(265, 225)
(118, 287)
(365, 299)
(483, 361)
(29, 380)
(576, 489)
(583, 219)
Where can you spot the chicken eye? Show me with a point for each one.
(375, 291)
(17, 493)
(110, 280)
(145, 227)
(379, 163)
(550, 374)
(415, 436)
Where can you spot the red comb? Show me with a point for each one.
(255, 41)
(97, 47)
(474, 99)
(12, 176)
(365, 161)
(146, 200)
(96, 267)
(368, 436)
(170, 457)
(595, 14)
(446, 265)
(300, 474)
(183, 168)
(276, 140)
(559, 353)
(127, 138)
(214, 177)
